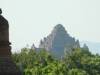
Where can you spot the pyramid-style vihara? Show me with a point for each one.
(7, 67)
(59, 40)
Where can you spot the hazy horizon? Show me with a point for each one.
(31, 20)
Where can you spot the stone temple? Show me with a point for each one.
(7, 67)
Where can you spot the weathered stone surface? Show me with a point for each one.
(7, 67)
(59, 40)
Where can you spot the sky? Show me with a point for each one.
(31, 20)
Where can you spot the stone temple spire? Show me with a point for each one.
(7, 67)
(4, 37)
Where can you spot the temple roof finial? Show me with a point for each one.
(0, 11)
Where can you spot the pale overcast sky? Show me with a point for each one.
(31, 20)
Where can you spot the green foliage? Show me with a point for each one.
(78, 62)
(77, 72)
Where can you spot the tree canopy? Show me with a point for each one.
(79, 62)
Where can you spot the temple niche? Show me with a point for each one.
(7, 67)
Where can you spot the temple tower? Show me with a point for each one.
(7, 67)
